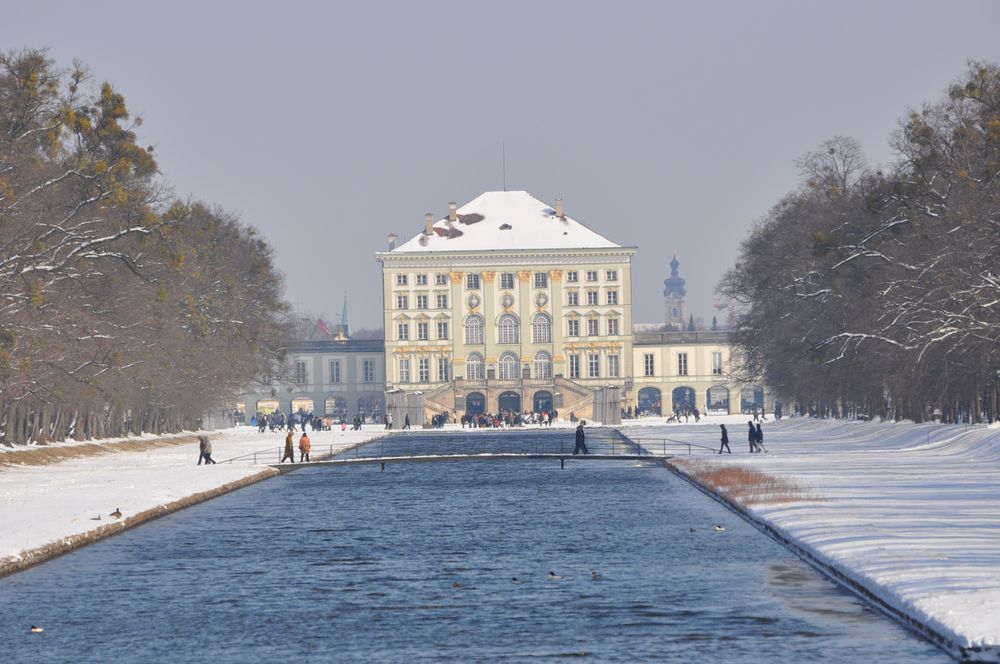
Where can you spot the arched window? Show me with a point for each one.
(543, 365)
(541, 329)
(474, 329)
(474, 367)
(507, 366)
(508, 327)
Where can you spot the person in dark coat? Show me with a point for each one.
(205, 448)
(752, 438)
(760, 439)
(289, 448)
(406, 421)
(725, 439)
(581, 439)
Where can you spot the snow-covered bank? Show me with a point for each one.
(910, 512)
(51, 508)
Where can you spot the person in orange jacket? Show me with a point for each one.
(304, 446)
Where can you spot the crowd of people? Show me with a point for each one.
(509, 418)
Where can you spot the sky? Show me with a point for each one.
(669, 126)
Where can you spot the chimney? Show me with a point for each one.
(429, 223)
(453, 211)
(559, 208)
(391, 237)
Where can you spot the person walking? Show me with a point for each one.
(304, 446)
(760, 439)
(406, 421)
(205, 448)
(725, 439)
(289, 448)
(752, 438)
(388, 421)
(581, 439)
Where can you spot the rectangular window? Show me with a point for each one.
(442, 329)
(472, 281)
(572, 298)
(573, 327)
(440, 279)
(541, 279)
(594, 366)
(611, 275)
(612, 327)
(717, 363)
(403, 332)
(335, 371)
(421, 302)
(400, 279)
(300, 372)
(591, 275)
(368, 370)
(612, 366)
(404, 370)
(647, 365)
(592, 297)
(424, 370)
(572, 276)
(444, 370)
(612, 297)
(507, 280)
(421, 279)
(423, 331)
(442, 300)
(574, 366)
(592, 327)
(682, 364)
(402, 302)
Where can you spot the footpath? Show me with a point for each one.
(59, 497)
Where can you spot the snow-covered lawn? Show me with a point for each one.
(911, 509)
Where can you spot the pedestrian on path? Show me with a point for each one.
(406, 421)
(581, 439)
(205, 448)
(752, 438)
(289, 448)
(725, 439)
(760, 439)
(304, 446)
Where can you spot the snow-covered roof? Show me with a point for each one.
(498, 220)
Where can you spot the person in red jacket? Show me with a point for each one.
(304, 446)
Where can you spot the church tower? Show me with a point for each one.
(674, 306)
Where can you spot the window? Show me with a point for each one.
(335, 371)
(474, 367)
(442, 329)
(400, 279)
(474, 329)
(442, 300)
(300, 372)
(611, 275)
(592, 297)
(423, 331)
(612, 327)
(541, 279)
(647, 364)
(403, 332)
(368, 370)
(541, 329)
(592, 327)
(543, 365)
(472, 281)
(507, 366)
(572, 298)
(421, 279)
(508, 329)
(404, 370)
(682, 364)
(444, 370)
(612, 366)
(440, 279)
(594, 365)
(421, 302)
(572, 276)
(717, 363)
(612, 297)
(591, 275)
(401, 302)
(573, 329)
(574, 366)
(424, 370)
(507, 280)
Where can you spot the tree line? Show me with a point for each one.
(123, 308)
(876, 292)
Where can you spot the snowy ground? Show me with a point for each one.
(911, 509)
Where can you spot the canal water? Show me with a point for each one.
(418, 563)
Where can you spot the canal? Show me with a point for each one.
(418, 563)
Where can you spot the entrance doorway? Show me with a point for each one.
(649, 401)
(475, 403)
(509, 401)
(542, 402)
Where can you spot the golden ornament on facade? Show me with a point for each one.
(489, 277)
(556, 275)
(456, 277)
(524, 275)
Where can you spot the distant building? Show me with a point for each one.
(674, 304)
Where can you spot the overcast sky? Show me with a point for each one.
(665, 125)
